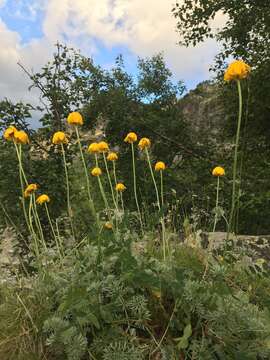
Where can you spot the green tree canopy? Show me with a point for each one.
(246, 32)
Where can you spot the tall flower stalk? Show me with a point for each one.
(109, 180)
(164, 244)
(135, 186)
(69, 210)
(115, 183)
(97, 172)
(216, 208)
(91, 202)
(56, 238)
(218, 171)
(38, 223)
(23, 182)
(144, 144)
(236, 71)
(234, 199)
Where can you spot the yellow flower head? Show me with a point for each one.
(131, 138)
(112, 156)
(144, 143)
(20, 137)
(75, 118)
(59, 138)
(43, 199)
(9, 133)
(120, 187)
(30, 189)
(237, 70)
(108, 225)
(160, 165)
(93, 148)
(103, 146)
(218, 171)
(96, 171)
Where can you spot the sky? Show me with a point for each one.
(101, 29)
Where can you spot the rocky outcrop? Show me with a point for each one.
(203, 110)
(258, 245)
(9, 260)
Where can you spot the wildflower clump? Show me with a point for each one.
(160, 166)
(30, 189)
(75, 118)
(43, 199)
(131, 138)
(237, 70)
(20, 137)
(120, 187)
(218, 171)
(10, 133)
(93, 148)
(103, 146)
(59, 138)
(144, 143)
(108, 225)
(96, 171)
(112, 156)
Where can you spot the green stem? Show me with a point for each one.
(86, 175)
(115, 183)
(101, 188)
(31, 227)
(21, 165)
(28, 313)
(110, 181)
(158, 203)
(232, 213)
(216, 209)
(153, 178)
(161, 189)
(122, 202)
(54, 234)
(135, 186)
(38, 223)
(59, 236)
(69, 210)
(21, 172)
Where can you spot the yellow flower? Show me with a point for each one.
(218, 171)
(112, 156)
(144, 143)
(30, 189)
(43, 199)
(93, 148)
(20, 137)
(120, 187)
(59, 138)
(237, 70)
(108, 225)
(9, 133)
(103, 146)
(75, 118)
(160, 165)
(96, 171)
(131, 138)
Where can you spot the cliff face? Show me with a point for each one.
(203, 110)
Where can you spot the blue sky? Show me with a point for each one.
(99, 28)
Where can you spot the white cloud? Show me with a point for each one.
(145, 27)
(13, 82)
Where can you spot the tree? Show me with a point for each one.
(246, 35)
(246, 32)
